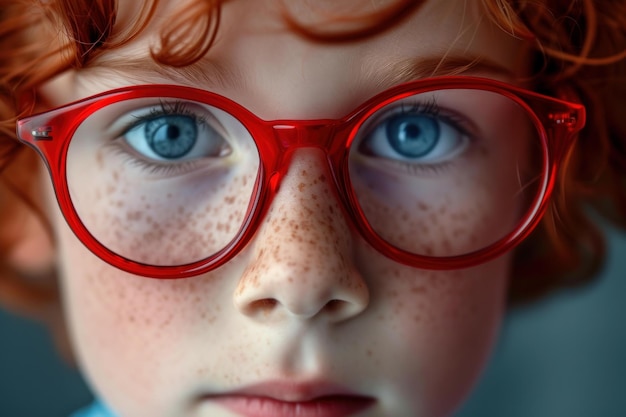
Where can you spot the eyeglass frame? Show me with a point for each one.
(557, 121)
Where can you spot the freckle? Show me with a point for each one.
(423, 206)
(134, 215)
(301, 187)
(418, 290)
(417, 318)
(369, 353)
(167, 321)
(100, 159)
(276, 253)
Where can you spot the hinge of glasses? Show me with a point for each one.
(566, 119)
(42, 133)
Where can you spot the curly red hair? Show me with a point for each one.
(579, 46)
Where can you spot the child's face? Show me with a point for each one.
(412, 341)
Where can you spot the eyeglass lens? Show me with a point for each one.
(169, 182)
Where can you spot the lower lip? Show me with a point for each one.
(332, 406)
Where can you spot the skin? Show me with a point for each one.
(307, 298)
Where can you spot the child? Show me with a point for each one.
(275, 208)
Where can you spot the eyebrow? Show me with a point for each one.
(208, 72)
(411, 69)
(205, 72)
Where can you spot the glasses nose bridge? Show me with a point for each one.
(321, 135)
(292, 135)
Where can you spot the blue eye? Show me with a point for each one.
(171, 137)
(418, 136)
(174, 134)
(412, 135)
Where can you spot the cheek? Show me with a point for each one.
(433, 331)
(441, 218)
(165, 220)
(138, 340)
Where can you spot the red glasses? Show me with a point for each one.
(169, 181)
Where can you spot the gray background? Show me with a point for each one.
(563, 357)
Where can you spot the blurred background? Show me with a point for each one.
(562, 357)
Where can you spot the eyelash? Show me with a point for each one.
(119, 147)
(166, 109)
(430, 108)
(151, 167)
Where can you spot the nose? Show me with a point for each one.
(302, 257)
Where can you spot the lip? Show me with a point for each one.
(289, 399)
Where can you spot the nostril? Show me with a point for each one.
(338, 310)
(264, 306)
(334, 306)
(267, 306)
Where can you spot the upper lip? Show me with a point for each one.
(294, 391)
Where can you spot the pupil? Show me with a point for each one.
(411, 131)
(173, 132)
(413, 136)
(172, 137)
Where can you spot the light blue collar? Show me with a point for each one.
(94, 410)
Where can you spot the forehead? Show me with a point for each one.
(442, 26)
(256, 51)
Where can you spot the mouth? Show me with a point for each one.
(288, 399)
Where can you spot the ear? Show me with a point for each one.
(27, 266)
